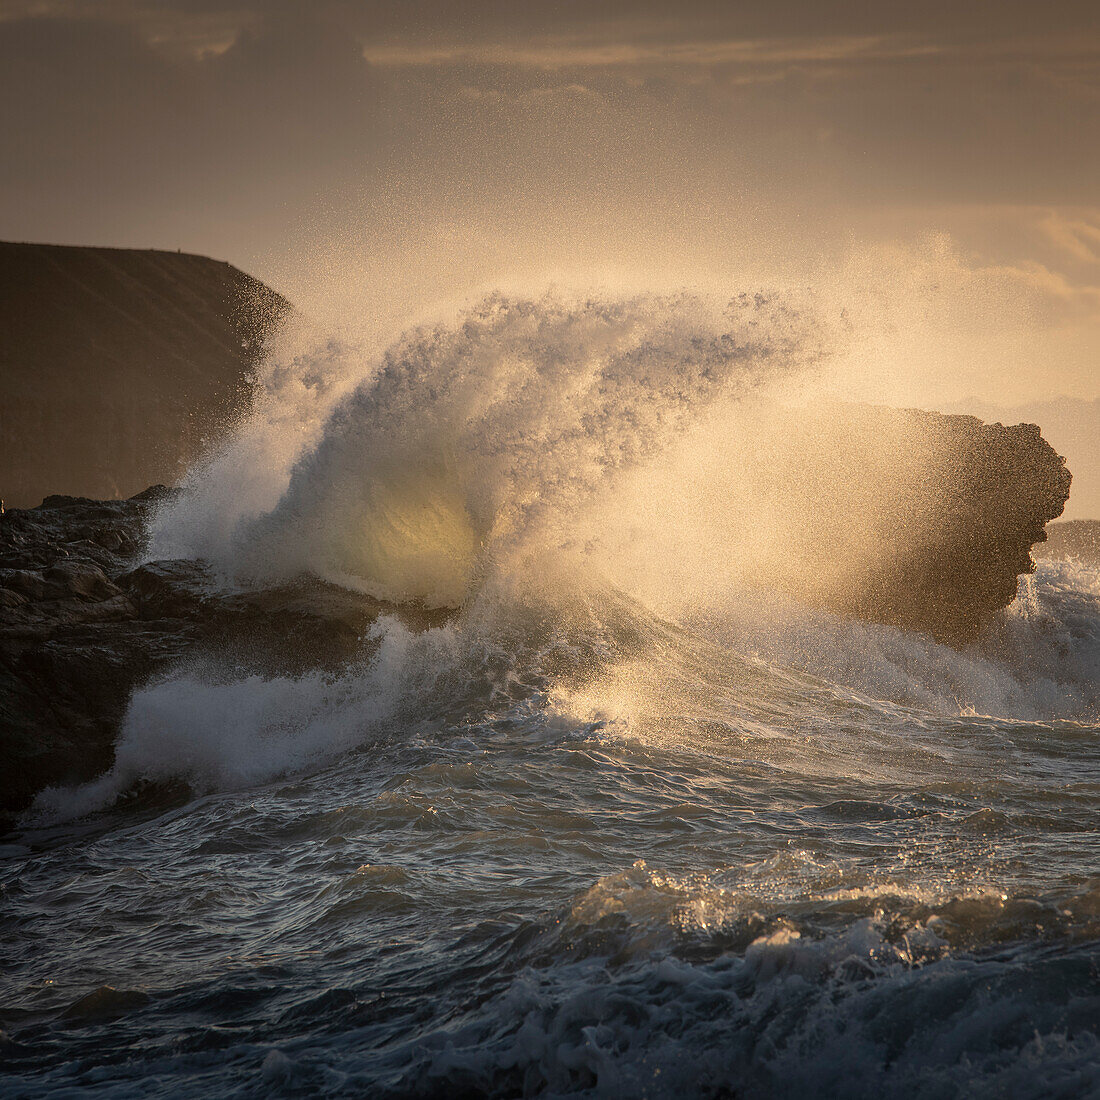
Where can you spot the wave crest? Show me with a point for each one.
(462, 439)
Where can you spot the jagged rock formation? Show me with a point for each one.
(910, 518)
(962, 530)
(1070, 425)
(117, 365)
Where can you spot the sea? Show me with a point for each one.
(635, 818)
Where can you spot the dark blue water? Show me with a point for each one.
(637, 860)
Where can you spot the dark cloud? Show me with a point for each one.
(485, 18)
(97, 120)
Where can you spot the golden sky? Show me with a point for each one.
(931, 168)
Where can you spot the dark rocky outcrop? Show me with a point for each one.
(963, 529)
(1070, 425)
(910, 518)
(117, 366)
(81, 627)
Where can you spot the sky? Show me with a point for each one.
(932, 169)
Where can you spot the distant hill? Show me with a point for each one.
(118, 365)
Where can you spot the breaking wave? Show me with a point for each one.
(466, 442)
(589, 483)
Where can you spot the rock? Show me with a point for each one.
(169, 589)
(10, 599)
(81, 627)
(28, 582)
(119, 366)
(37, 538)
(900, 516)
(63, 695)
(81, 579)
(45, 619)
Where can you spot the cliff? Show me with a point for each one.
(117, 365)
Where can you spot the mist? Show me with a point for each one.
(932, 172)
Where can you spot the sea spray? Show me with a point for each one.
(626, 821)
(610, 496)
(466, 440)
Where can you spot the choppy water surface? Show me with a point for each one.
(736, 880)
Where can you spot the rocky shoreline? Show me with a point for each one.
(81, 627)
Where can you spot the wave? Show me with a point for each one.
(794, 689)
(1037, 661)
(607, 493)
(464, 441)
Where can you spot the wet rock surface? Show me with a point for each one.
(959, 549)
(910, 518)
(81, 626)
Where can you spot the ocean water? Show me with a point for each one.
(629, 823)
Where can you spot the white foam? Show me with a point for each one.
(548, 463)
(463, 438)
(216, 734)
(1039, 660)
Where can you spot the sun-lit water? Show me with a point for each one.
(759, 884)
(570, 843)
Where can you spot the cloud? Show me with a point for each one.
(561, 52)
(437, 143)
(934, 275)
(92, 106)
